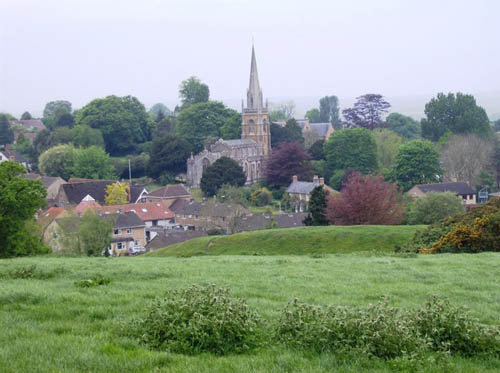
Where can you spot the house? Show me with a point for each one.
(3, 156)
(167, 238)
(29, 128)
(169, 194)
(300, 190)
(462, 190)
(320, 131)
(209, 214)
(128, 232)
(50, 183)
(14, 156)
(153, 214)
(257, 222)
(73, 193)
(44, 218)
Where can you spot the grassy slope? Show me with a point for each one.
(297, 241)
(51, 325)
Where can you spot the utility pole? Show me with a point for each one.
(129, 173)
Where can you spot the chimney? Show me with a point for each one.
(295, 178)
(321, 181)
(315, 179)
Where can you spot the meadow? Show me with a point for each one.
(49, 324)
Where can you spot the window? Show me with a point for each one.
(117, 231)
(119, 245)
(136, 243)
(129, 230)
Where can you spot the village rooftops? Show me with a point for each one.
(47, 181)
(29, 124)
(172, 237)
(304, 187)
(170, 191)
(76, 192)
(147, 211)
(459, 188)
(210, 209)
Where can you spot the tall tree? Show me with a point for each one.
(388, 144)
(291, 132)
(287, 160)
(465, 157)
(329, 110)
(53, 110)
(57, 161)
(313, 115)
(403, 125)
(159, 109)
(117, 194)
(351, 148)
(281, 111)
(26, 116)
(64, 120)
(193, 91)
(366, 200)
(434, 207)
(367, 111)
(417, 162)
(224, 171)
(6, 133)
(317, 207)
(122, 121)
(20, 199)
(316, 150)
(93, 163)
(94, 234)
(458, 114)
(169, 154)
(83, 136)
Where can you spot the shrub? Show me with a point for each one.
(433, 207)
(96, 280)
(31, 272)
(200, 319)
(261, 197)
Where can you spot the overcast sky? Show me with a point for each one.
(82, 49)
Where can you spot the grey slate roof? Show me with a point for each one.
(170, 238)
(178, 204)
(238, 142)
(208, 209)
(455, 187)
(170, 191)
(301, 187)
(75, 192)
(320, 128)
(46, 180)
(126, 220)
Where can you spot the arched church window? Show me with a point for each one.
(205, 164)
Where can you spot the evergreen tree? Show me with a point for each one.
(224, 171)
(317, 207)
(6, 133)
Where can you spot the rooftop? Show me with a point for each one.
(455, 187)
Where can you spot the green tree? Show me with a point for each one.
(417, 162)
(234, 194)
(64, 120)
(434, 207)
(458, 114)
(224, 171)
(201, 120)
(168, 155)
(159, 109)
(403, 125)
(6, 133)
(53, 110)
(93, 163)
(291, 132)
(84, 136)
(316, 150)
(313, 115)
(232, 127)
(164, 127)
(388, 144)
(329, 110)
(57, 161)
(317, 207)
(351, 148)
(122, 121)
(26, 116)
(193, 91)
(20, 199)
(94, 234)
(367, 111)
(496, 125)
(261, 197)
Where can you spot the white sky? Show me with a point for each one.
(82, 49)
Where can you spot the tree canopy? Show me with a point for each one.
(123, 122)
(433, 207)
(329, 110)
(93, 163)
(403, 125)
(57, 161)
(417, 162)
(20, 199)
(169, 154)
(193, 91)
(26, 116)
(388, 144)
(291, 132)
(351, 148)
(367, 111)
(458, 114)
(6, 133)
(117, 194)
(287, 160)
(313, 115)
(224, 171)
(317, 207)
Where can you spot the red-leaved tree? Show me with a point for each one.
(366, 200)
(287, 160)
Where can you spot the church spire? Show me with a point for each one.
(254, 93)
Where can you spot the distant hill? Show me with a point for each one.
(296, 241)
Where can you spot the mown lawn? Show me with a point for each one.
(297, 241)
(47, 324)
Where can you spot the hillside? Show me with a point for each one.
(296, 241)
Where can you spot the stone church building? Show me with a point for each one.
(254, 147)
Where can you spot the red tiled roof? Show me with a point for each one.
(46, 217)
(146, 211)
(86, 205)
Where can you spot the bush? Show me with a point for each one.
(261, 197)
(200, 319)
(31, 272)
(433, 207)
(233, 194)
(96, 280)
(215, 232)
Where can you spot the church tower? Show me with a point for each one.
(255, 116)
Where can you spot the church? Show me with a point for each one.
(254, 147)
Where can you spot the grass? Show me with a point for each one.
(48, 324)
(296, 241)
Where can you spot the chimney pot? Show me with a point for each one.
(321, 180)
(295, 178)
(315, 179)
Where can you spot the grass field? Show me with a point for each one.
(297, 241)
(47, 324)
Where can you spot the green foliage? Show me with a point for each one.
(200, 319)
(232, 127)
(329, 110)
(169, 154)
(458, 114)
(261, 197)
(200, 120)
(386, 332)
(31, 271)
(193, 91)
(224, 171)
(6, 133)
(92, 163)
(313, 115)
(97, 280)
(433, 207)
(64, 120)
(159, 109)
(351, 148)
(388, 144)
(26, 116)
(417, 162)
(20, 198)
(317, 207)
(317, 150)
(291, 132)
(496, 125)
(83, 136)
(53, 110)
(123, 122)
(117, 193)
(403, 125)
(234, 194)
